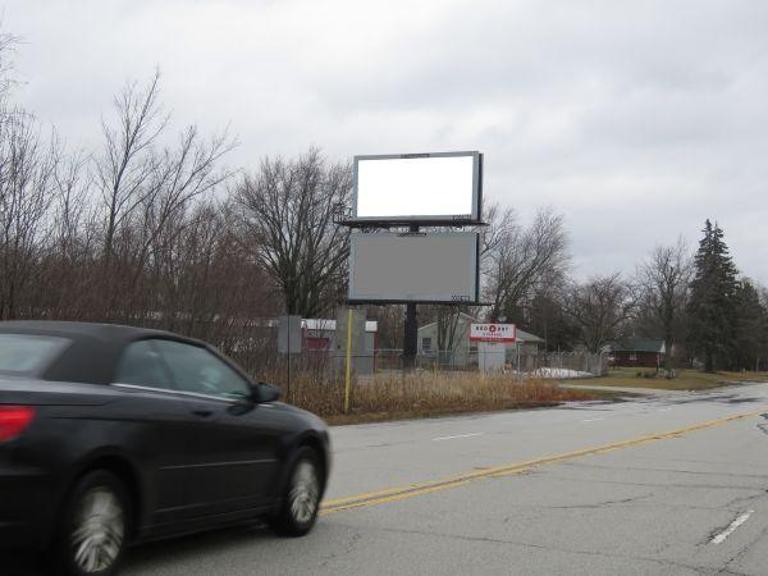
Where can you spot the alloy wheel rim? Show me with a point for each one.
(304, 492)
(99, 530)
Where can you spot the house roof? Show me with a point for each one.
(527, 337)
(639, 345)
(464, 316)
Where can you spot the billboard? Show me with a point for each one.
(492, 333)
(426, 188)
(414, 267)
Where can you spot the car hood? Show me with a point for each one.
(311, 419)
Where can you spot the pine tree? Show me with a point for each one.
(750, 324)
(712, 305)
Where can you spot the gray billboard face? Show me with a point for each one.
(430, 267)
(441, 187)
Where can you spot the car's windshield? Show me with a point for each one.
(25, 354)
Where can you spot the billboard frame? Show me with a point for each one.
(475, 301)
(475, 218)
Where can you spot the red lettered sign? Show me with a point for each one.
(492, 333)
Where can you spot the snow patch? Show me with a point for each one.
(560, 373)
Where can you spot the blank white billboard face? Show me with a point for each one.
(433, 267)
(438, 187)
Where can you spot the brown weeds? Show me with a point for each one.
(393, 395)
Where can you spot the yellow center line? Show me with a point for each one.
(421, 488)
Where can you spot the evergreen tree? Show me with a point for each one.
(549, 320)
(712, 305)
(751, 322)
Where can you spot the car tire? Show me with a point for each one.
(92, 533)
(300, 498)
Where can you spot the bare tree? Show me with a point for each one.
(26, 177)
(501, 224)
(144, 186)
(131, 233)
(391, 319)
(7, 45)
(126, 166)
(67, 261)
(204, 282)
(448, 321)
(72, 201)
(289, 210)
(518, 259)
(599, 308)
(664, 281)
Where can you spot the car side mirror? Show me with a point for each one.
(263, 392)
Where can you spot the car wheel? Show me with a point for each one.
(94, 527)
(301, 496)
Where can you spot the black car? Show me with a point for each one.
(111, 435)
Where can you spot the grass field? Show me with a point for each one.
(686, 379)
(392, 396)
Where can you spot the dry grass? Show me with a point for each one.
(389, 396)
(685, 380)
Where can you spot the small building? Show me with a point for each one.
(638, 353)
(319, 336)
(463, 352)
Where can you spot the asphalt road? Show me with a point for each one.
(672, 484)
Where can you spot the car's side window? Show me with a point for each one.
(195, 369)
(141, 365)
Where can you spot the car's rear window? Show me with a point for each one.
(27, 354)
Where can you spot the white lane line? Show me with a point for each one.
(720, 538)
(593, 419)
(441, 438)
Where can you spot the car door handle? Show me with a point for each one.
(202, 412)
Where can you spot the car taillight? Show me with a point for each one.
(14, 420)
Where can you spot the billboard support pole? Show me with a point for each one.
(411, 331)
(410, 341)
(348, 376)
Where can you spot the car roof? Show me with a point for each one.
(94, 351)
(81, 329)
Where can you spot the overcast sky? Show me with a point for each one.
(637, 120)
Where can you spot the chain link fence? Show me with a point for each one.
(533, 363)
(331, 363)
(315, 377)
